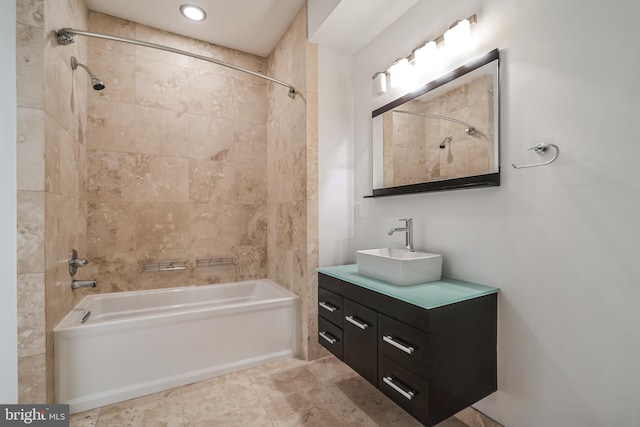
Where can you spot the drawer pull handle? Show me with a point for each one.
(407, 394)
(328, 337)
(406, 348)
(356, 322)
(327, 307)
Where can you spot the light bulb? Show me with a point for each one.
(458, 38)
(425, 56)
(193, 12)
(399, 72)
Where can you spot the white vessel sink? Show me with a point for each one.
(399, 267)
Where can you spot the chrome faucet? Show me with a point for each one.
(75, 262)
(408, 236)
(77, 284)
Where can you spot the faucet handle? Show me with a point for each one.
(75, 262)
(407, 220)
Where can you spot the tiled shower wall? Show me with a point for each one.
(31, 199)
(52, 113)
(293, 175)
(176, 161)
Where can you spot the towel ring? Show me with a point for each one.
(540, 149)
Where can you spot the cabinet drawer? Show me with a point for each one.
(330, 337)
(404, 387)
(330, 306)
(404, 344)
(360, 340)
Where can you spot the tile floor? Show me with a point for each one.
(289, 393)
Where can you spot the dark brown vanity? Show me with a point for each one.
(431, 348)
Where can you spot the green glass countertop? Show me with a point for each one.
(427, 295)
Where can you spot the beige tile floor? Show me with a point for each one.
(289, 393)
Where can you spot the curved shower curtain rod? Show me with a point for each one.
(470, 130)
(65, 37)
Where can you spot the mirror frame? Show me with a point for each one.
(485, 180)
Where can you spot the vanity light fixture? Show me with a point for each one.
(424, 56)
(399, 72)
(193, 12)
(379, 83)
(458, 37)
(404, 70)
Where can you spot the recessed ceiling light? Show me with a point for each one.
(193, 12)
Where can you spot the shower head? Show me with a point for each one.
(95, 82)
(444, 141)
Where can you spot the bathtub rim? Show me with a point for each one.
(69, 323)
(115, 326)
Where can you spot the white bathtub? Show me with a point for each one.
(136, 343)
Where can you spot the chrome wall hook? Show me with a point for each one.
(540, 149)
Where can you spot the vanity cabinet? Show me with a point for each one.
(430, 348)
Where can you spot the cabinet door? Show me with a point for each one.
(330, 306)
(405, 388)
(360, 347)
(406, 345)
(330, 337)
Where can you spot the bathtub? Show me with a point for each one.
(114, 347)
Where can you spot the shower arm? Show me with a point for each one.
(75, 64)
(471, 130)
(65, 37)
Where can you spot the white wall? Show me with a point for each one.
(561, 241)
(317, 12)
(335, 157)
(8, 304)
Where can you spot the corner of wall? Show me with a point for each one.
(292, 174)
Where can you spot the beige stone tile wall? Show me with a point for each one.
(176, 161)
(51, 181)
(31, 343)
(292, 201)
(65, 164)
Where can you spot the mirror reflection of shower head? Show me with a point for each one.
(95, 82)
(444, 141)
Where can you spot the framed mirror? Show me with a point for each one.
(443, 136)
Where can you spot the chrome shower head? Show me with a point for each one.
(444, 141)
(95, 82)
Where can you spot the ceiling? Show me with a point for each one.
(256, 26)
(352, 24)
(252, 26)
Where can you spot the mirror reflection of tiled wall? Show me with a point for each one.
(412, 152)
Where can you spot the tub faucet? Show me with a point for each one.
(76, 284)
(408, 233)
